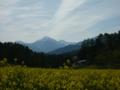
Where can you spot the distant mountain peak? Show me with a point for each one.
(46, 37)
(43, 39)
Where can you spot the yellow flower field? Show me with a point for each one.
(24, 78)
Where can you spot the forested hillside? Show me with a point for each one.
(105, 50)
(11, 51)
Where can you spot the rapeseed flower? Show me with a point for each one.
(15, 59)
(4, 59)
(60, 67)
(73, 66)
(2, 62)
(64, 64)
(22, 62)
(57, 86)
(66, 67)
(14, 83)
(68, 62)
(14, 78)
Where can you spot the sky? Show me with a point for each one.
(69, 20)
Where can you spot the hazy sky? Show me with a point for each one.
(70, 20)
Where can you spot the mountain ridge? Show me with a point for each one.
(51, 46)
(67, 43)
(65, 49)
(69, 48)
(46, 44)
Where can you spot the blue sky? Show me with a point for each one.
(70, 20)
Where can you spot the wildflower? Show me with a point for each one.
(21, 85)
(35, 89)
(22, 62)
(5, 59)
(0, 83)
(58, 86)
(15, 59)
(14, 83)
(25, 66)
(60, 67)
(25, 85)
(65, 67)
(31, 86)
(64, 87)
(64, 64)
(68, 61)
(41, 85)
(73, 66)
(2, 62)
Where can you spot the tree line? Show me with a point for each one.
(103, 50)
(11, 51)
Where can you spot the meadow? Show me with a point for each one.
(21, 77)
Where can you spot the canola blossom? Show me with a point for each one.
(15, 59)
(23, 78)
(26, 78)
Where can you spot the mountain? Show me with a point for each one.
(46, 44)
(65, 49)
(52, 46)
(67, 43)
(69, 48)
(35, 49)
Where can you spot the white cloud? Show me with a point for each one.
(8, 3)
(39, 18)
(65, 8)
(27, 15)
(83, 19)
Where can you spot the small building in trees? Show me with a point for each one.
(80, 62)
(84, 62)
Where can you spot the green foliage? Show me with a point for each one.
(114, 56)
(100, 60)
(96, 50)
(111, 58)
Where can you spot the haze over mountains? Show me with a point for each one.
(67, 43)
(46, 44)
(52, 46)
